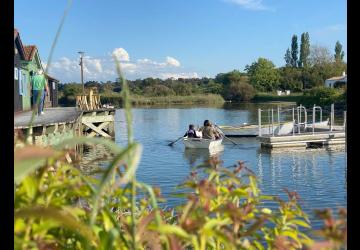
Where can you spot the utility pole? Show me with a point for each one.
(82, 72)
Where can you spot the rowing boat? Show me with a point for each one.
(201, 142)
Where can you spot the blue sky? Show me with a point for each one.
(174, 38)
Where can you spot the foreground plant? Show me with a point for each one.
(56, 207)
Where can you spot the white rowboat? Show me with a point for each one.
(201, 143)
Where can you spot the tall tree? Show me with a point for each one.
(288, 58)
(304, 50)
(294, 51)
(339, 53)
(320, 55)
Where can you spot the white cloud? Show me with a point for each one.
(103, 69)
(171, 61)
(178, 75)
(250, 4)
(121, 54)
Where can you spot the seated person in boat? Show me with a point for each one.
(191, 133)
(209, 132)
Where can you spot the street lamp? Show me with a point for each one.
(82, 72)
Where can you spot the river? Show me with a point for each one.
(317, 175)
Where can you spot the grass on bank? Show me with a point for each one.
(319, 96)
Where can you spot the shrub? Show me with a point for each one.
(323, 95)
(241, 91)
(182, 89)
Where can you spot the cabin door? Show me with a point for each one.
(17, 96)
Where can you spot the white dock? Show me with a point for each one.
(304, 140)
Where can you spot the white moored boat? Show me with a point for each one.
(201, 143)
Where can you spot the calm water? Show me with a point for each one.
(319, 176)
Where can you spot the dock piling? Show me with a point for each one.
(259, 121)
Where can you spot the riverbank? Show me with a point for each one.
(319, 97)
(116, 100)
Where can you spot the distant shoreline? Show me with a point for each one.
(208, 99)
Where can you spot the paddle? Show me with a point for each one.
(225, 135)
(172, 143)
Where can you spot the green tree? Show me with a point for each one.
(304, 50)
(263, 75)
(294, 51)
(291, 79)
(227, 78)
(287, 58)
(339, 53)
(213, 88)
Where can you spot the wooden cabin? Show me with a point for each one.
(27, 63)
(19, 81)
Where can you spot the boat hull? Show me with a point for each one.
(201, 143)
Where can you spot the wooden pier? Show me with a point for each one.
(48, 129)
(64, 122)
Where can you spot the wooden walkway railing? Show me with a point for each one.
(88, 102)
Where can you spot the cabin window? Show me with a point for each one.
(16, 73)
(23, 84)
(53, 85)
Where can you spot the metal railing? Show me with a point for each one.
(299, 119)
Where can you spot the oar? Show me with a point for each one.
(225, 135)
(172, 143)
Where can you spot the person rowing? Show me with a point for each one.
(209, 132)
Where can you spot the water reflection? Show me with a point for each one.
(94, 157)
(314, 173)
(197, 155)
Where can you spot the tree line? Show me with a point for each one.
(306, 66)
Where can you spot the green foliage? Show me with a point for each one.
(182, 89)
(339, 53)
(224, 210)
(287, 58)
(227, 78)
(304, 50)
(324, 96)
(263, 75)
(294, 51)
(214, 88)
(291, 79)
(158, 90)
(241, 91)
